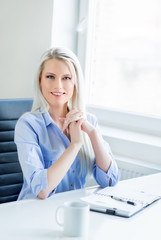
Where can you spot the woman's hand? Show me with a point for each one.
(87, 127)
(72, 125)
(72, 116)
(76, 132)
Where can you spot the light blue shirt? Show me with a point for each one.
(39, 144)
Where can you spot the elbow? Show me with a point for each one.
(42, 195)
(115, 180)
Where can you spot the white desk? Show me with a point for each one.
(35, 219)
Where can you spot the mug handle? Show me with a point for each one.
(57, 216)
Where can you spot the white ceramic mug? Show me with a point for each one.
(75, 220)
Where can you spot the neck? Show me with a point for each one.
(57, 112)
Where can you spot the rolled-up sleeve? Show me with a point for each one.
(106, 179)
(30, 157)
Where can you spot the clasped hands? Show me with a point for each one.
(75, 122)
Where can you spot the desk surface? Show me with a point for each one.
(35, 219)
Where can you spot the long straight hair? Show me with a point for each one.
(40, 104)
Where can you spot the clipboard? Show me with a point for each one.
(115, 201)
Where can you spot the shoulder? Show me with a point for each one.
(30, 117)
(28, 126)
(91, 118)
(30, 120)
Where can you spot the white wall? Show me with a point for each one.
(25, 33)
(65, 22)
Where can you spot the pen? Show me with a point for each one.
(122, 200)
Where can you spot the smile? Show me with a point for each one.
(57, 93)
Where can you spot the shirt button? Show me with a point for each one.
(71, 185)
(73, 171)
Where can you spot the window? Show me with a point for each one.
(125, 56)
(119, 47)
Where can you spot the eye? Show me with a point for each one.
(50, 76)
(67, 78)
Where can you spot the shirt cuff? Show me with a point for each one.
(39, 181)
(107, 179)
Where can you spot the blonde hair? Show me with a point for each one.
(40, 105)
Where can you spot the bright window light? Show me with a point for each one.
(125, 57)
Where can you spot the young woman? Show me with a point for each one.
(58, 143)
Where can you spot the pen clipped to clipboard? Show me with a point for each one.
(122, 200)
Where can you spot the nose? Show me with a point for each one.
(58, 84)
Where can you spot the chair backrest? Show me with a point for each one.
(11, 177)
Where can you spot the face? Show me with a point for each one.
(56, 82)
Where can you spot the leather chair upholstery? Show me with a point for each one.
(11, 177)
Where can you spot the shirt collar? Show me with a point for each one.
(47, 118)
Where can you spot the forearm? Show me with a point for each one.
(57, 171)
(103, 158)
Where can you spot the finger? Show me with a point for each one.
(68, 122)
(68, 118)
(72, 118)
(62, 119)
(80, 121)
(65, 125)
(73, 112)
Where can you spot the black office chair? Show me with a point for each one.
(11, 177)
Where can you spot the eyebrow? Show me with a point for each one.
(66, 74)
